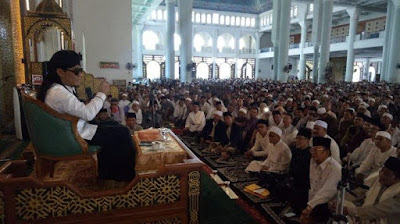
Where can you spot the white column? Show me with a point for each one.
(237, 37)
(316, 36)
(365, 74)
(257, 68)
(295, 67)
(185, 27)
(387, 43)
(275, 35)
(354, 15)
(170, 47)
(139, 51)
(303, 9)
(326, 30)
(284, 39)
(393, 72)
(214, 53)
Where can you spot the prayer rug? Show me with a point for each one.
(274, 213)
(236, 174)
(217, 162)
(239, 187)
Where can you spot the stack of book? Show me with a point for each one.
(256, 190)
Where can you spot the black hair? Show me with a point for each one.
(62, 59)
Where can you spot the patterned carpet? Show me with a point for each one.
(11, 148)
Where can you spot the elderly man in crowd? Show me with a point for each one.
(320, 130)
(377, 156)
(214, 130)
(325, 174)
(137, 111)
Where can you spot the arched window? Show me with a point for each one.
(177, 42)
(153, 70)
(247, 44)
(253, 22)
(233, 19)
(165, 14)
(202, 42)
(150, 40)
(247, 22)
(226, 43)
(222, 20)
(247, 71)
(209, 19)
(243, 21)
(225, 71)
(202, 71)
(372, 74)
(159, 14)
(153, 15)
(238, 21)
(203, 18)
(356, 73)
(228, 20)
(197, 17)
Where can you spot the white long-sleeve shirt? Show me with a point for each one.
(261, 145)
(195, 122)
(205, 108)
(279, 157)
(375, 160)
(180, 111)
(362, 152)
(63, 100)
(334, 148)
(139, 115)
(324, 179)
(289, 134)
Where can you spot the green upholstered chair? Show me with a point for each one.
(54, 137)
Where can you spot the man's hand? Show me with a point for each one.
(305, 215)
(248, 154)
(360, 178)
(104, 87)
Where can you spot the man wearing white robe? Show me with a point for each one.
(279, 155)
(260, 148)
(196, 119)
(137, 111)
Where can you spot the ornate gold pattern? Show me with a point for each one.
(175, 220)
(194, 194)
(114, 92)
(89, 81)
(37, 203)
(1, 207)
(17, 42)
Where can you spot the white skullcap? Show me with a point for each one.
(185, 92)
(243, 110)
(362, 106)
(310, 125)
(188, 99)
(159, 91)
(200, 91)
(164, 90)
(269, 95)
(135, 102)
(371, 99)
(365, 104)
(384, 134)
(316, 101)
(381, 107)
(388, 116)
(217, 112)
(321, 110)
(276, 130)
(325, 96)
(124, 94)
(162, 95)
(216, 99)
(290, 99)
(264, 90)
(322, 124)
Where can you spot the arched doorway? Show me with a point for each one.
(225, 71)
(202, 71)
(153, 70)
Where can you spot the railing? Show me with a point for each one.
(247, 51)
(266, 50)
(294, 46)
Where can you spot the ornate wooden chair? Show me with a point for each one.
(54, 137)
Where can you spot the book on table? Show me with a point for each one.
(257, 191)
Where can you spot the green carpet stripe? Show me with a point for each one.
(217, 208)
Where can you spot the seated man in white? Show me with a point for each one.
(289, 132)
(260, 148)
(137, 111)
(325, 174)
(382, 202)
(377, 156)
(278, 155)
(361, 153)
(320, 130)
(195, 121)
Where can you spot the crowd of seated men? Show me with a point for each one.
(298, 135)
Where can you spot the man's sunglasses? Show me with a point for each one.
(76, 71)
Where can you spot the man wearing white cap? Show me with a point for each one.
(124, 102)
(279, 155)
(134, 108)
(377, 156)
(320, 130)
(215, 129)
(386, 121)
(332, 122)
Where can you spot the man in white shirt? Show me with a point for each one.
(135, 108)
(124, 103)
(377, 156)
(278, 155)
(116, 159)
(320, 130)
(325, 174)
(289, 132)
(179, 113)
(196, 120)
(205, 106)
(260, 148)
